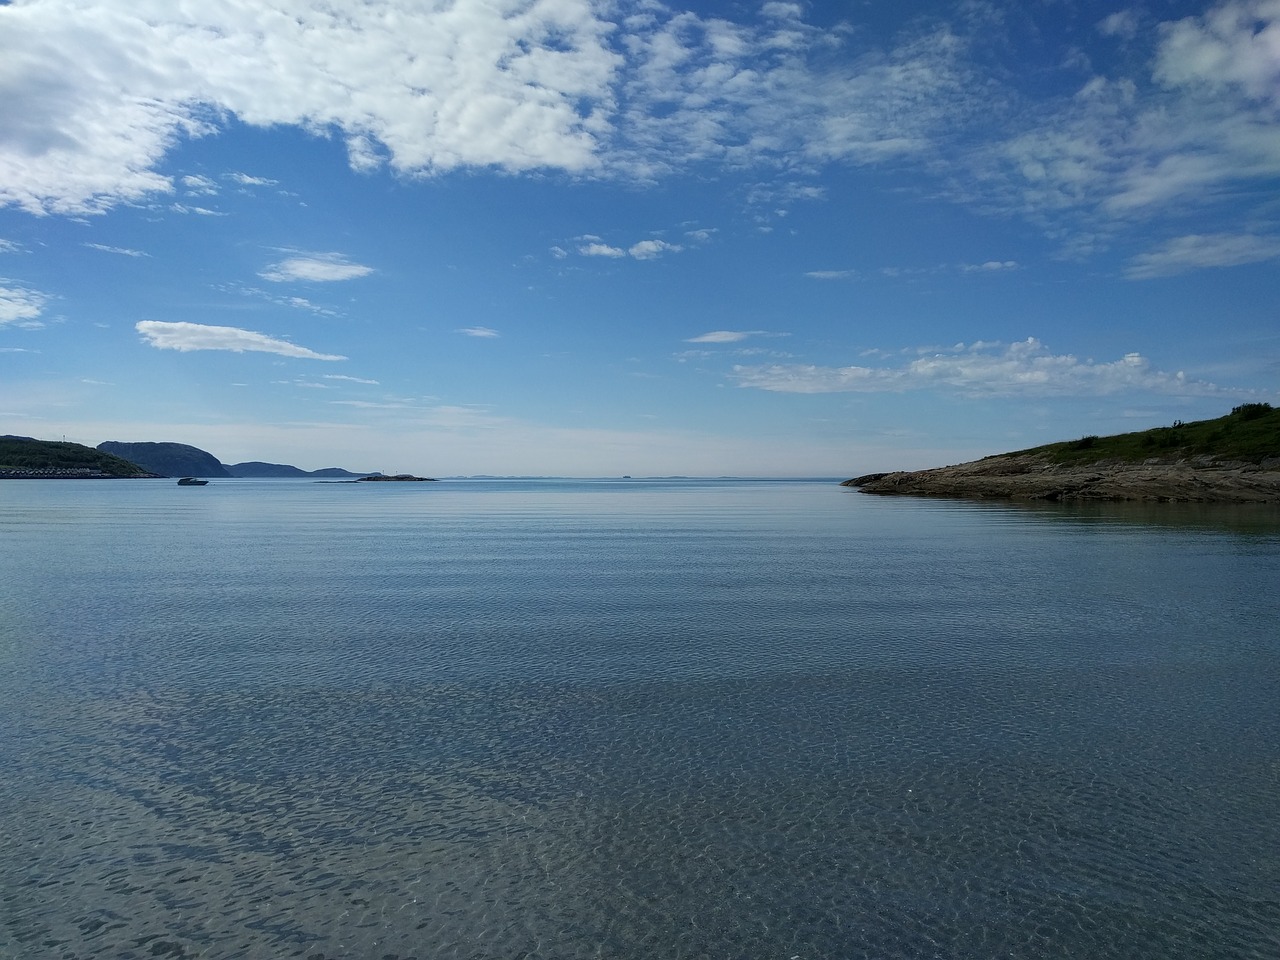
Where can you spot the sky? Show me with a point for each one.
(608, 237)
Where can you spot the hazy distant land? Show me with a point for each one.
(26, 457)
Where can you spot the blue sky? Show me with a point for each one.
(587, 238)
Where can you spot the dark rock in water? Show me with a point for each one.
(863, 480)
(399, 477)
(168, 459)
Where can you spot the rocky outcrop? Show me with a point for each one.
(1203, 480)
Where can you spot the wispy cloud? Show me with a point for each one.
(1026, 368)
(187, 337)
(339, 376)
(20, 305)
(199, 186)
(832, 274)
(245, 180)
(1199, 251)
(122, 251)
(482, 332)
(297, 303)
(10, 246)
(730, 336)
(198, 211)
(315, 268)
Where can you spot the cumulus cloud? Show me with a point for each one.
(315, 268)
(20, 305)
(1020, 369)
(593, 246)
(99, 94)
(652, 249)
(1233, 44)
(482, 332)
(595, 249)
(187, 337)
(1198, 251)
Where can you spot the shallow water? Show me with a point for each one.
(632, 719)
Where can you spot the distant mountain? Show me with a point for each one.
(168, 459)
(25, 457)
(258, 469)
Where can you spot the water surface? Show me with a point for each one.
(632, 719)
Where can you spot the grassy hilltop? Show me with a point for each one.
(1233, 459)
(1250, 433)
(53, 457)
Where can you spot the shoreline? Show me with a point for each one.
(1198, 480)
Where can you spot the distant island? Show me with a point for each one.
(184, 460)
(1233, 459)
(29, 458)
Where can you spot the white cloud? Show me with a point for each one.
(315, 268)
(1020, 369)
(832, 274)
(652, 249)
(482, 332)
(245, 180)
(198, 185)
(21, 305)
(100, 93)
(727, 336)
(1198, 251)
(990, 266)
(10, 246)
(186, 337)
(339, 376)
(122, 251)
(601, 250)
(1125, 148)
(199, 211)
(1122, 23)
(1233, 44)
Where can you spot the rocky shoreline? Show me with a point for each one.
(1023, 477)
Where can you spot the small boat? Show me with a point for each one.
(192, 482)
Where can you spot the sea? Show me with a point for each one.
(757, 719)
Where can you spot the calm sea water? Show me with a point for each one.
(632, 720)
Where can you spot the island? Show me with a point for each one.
(397, 478)
(1232, 459)
(25, 458)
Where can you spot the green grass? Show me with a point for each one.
(1250, 432)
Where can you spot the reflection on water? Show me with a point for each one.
(585, 720)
